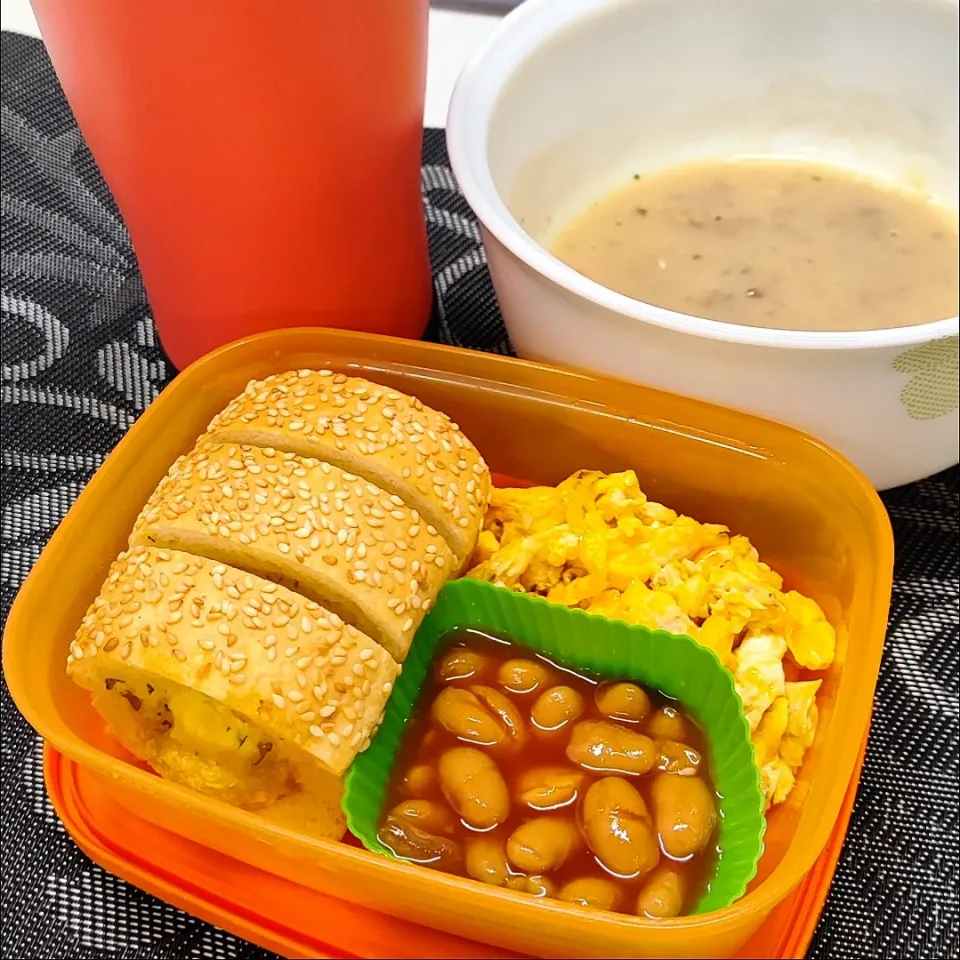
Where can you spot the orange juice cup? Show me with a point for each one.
(265, 157)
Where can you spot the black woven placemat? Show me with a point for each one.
(80, 362)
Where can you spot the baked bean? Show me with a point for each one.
(426, 815)
(667, 724)
(420, 780)
(474, 787)
(549, 788)
(460, 663)
(618, 827)
(542, 845)
(599, 745)
(486, 860)
(623, 701)
(685, 812)
(677, 758)
(662, 894)
(523, 676)
(462, 714)
(505, 713)
(411, 843)
(556, 707)
(536, 886)
(591, 892)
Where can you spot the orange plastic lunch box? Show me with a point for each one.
(809, 513)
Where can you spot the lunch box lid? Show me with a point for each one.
(287, 918)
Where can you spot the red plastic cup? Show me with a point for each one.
(265, 155)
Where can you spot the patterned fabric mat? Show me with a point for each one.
(80, 362)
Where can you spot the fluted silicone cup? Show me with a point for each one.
(675, 665)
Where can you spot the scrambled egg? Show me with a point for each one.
(596, 542)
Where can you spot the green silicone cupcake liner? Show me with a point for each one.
(676, 665)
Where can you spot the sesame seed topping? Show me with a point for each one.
(331, 529)
(357, 424)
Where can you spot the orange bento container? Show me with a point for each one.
(809, 513)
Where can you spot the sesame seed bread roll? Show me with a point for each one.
(320, 531)
(380, 434)
(271, 689)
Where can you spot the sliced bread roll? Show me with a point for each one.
(375, 432)
(322, 532)
(230, 684)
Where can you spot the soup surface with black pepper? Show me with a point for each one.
(786, 244)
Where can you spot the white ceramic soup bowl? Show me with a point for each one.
(568, 98)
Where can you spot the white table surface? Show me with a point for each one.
(453, 38)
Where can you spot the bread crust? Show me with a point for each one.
(385, 436)
(294, 668)
(319, 530)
